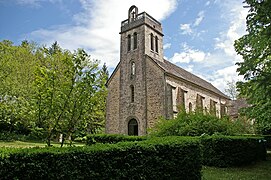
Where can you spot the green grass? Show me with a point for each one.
(257, 171)
(28, 144)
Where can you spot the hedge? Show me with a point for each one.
(268, 141)
(112, 138)
(158, 158)
(225, 151)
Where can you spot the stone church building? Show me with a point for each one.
(144, 86)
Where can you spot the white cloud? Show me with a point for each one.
(188, 55)
(186, 29)
(96, 29)
(236, 15)
(190, 68)
(221, 77)
(35, 3)
(207, 3)
(190, 28)
(199, 18)
(167, 46)
(218, 65)
(225, 42)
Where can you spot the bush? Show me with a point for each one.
(268, 141)
(7, 136)
(196, 124)
(163, 158)
(225, 151)
(111, 138)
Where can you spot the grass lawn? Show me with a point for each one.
(257, 171)
(28, 144)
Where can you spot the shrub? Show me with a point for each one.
(196, 124)
(111, 138)
(163, 158)
(11, 136)
(225, 151)
(268, 141)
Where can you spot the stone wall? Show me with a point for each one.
(155, 86)
(160, 55)
(193, 91)
(137, 109)
(112, 104)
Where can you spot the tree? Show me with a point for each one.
(53, 83)
(255, 48)
(70, 93)
(17, 64)
(231, 90)
(51, 90)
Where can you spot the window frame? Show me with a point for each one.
(135, 40)
(129, 42)
(152, 48)
(156, 44)
(132, 89)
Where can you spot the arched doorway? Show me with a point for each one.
(132, 128)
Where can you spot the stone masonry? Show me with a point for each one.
(144, 86)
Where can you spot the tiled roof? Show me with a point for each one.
(187, 76)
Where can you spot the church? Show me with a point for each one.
(145, 87)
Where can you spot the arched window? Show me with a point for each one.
(129, 43)
(156, 44)
(135, 40)
(190, 107)
(151, 41)
(133, 68)
(132, 128)
(132, 93)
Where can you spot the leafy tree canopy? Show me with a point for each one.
(51, 90)
(255, 48)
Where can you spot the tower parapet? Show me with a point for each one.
(134, 20)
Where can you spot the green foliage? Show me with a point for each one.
(6, 136)
(226, 151)
(112, 138)
(267, 138)
(196, 124)
(255, 49)
(50, 91)
(163, 158)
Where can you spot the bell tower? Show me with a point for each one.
(141, 36)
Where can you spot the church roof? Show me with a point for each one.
(179, 72)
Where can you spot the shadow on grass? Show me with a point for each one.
(255, 171)
(28, 144)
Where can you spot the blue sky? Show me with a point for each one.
(198, 34)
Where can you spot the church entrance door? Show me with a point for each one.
(133, 128)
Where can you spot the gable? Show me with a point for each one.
(112, 75)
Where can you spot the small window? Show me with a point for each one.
(156, 44)
(133, 68)
(129, 43)
(135, 40)
(190, 107)
(132, 93)
(151, 41)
